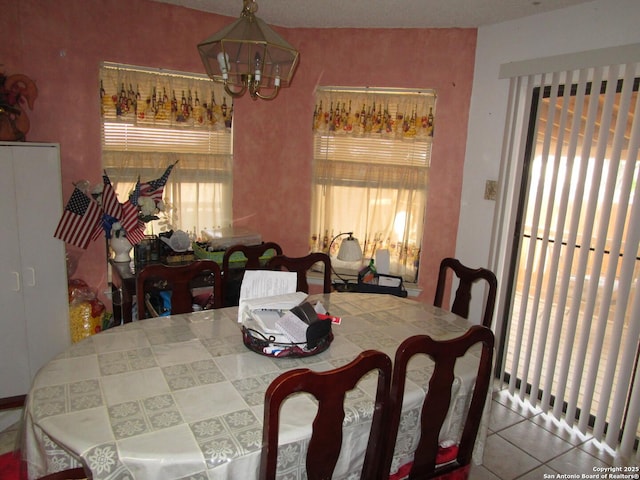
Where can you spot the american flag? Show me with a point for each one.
(133, 196)
(136, 235)
(154, 188)
(79, 220)
(130, 213)
(110, 204)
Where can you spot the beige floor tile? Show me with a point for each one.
(535, 440)
(8, 439)
(502, 417)
(478, 472)
(538, 473)
(561, 429)
(576, 461)
(506, 460)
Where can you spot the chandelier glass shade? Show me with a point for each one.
(248, 55)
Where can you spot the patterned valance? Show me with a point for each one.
(153, 97)
(393, 113)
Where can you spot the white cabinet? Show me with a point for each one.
(34, 311)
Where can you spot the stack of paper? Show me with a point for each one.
(268, 290)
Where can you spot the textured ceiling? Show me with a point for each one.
(383, 14)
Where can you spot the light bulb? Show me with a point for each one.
(258, 64)
(223, 61)
(276, 82)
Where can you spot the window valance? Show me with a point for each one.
(389, 113)
(155, 97)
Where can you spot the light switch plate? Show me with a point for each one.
(490, 190)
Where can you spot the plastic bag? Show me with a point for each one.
(86, 312)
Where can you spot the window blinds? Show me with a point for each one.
(572, 305)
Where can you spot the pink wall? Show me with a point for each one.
(60, 44)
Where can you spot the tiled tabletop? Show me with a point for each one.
(181, 397)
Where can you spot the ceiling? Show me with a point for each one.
(382, 14)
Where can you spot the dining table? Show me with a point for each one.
(181, 397)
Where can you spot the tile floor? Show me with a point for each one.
(523, 444)
(526, 444)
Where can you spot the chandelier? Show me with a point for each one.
(248, 55)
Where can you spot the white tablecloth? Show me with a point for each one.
(181, 397)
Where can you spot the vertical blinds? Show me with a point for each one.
(573, 331)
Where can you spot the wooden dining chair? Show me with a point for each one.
(301, 265)
(467, 277)
(431, 461)
(233, 272)
(180, 280)
(329, 388)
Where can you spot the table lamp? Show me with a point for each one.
(350, 251)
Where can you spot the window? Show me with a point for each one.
(371, 155)
(154, 118)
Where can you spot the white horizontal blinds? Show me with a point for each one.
(575, 328)
(389, 151)
(125, 136)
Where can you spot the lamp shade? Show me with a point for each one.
(350, 250)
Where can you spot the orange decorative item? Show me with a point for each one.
(16, 93)
(86, 312)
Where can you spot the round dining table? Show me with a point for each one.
(181, 397)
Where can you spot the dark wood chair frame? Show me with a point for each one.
(467, 277)
(301, 265)
(232, 276)
(329, 388)
(438, 398)
(251, 252)
(179, 279)
(19, 401)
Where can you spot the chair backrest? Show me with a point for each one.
(329, 388)
(467, 277)
(232, 275)
(251, 252)
(180, 280)
(438, 398)
(301, 266)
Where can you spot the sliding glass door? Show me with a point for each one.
(571, 331)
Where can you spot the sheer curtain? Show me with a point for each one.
(371, 156)
(198, 193)
(155, 118)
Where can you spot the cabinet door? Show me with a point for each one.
(44, 267)
(35, 317)
(15, 376)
